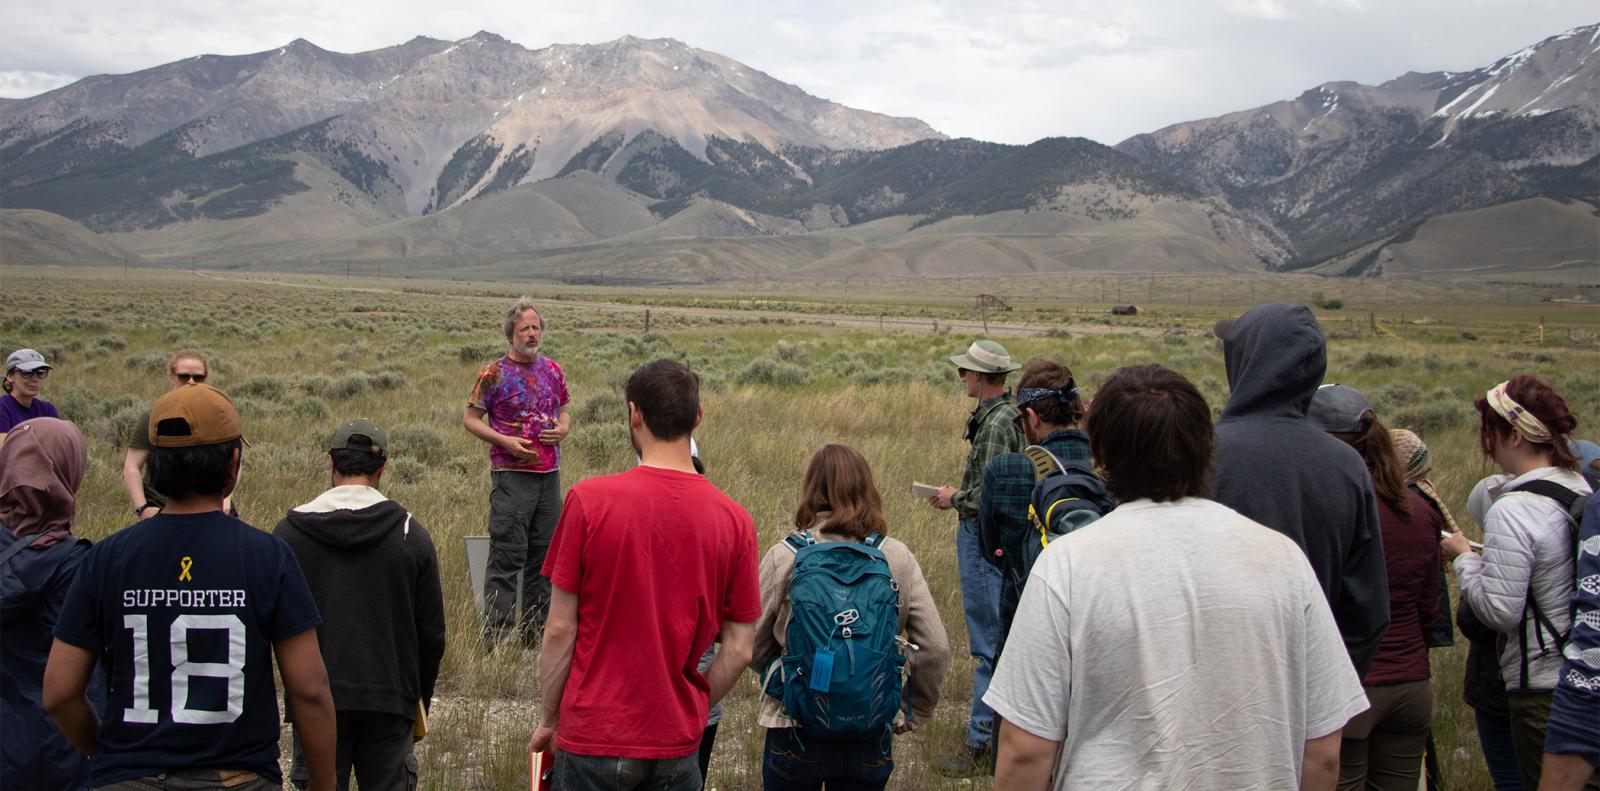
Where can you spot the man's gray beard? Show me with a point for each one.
(526, 351)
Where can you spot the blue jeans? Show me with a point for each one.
(796, 762)
(606, 773)
(980, 599)
(1494, 736)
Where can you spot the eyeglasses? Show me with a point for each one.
(961, 373)
(187, 378)
(37, 373)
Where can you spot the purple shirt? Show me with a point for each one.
(12, 412)
(522, 399)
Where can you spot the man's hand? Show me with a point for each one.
(544, 737)
(553, 436)
(521, 448)
(942, 499)
(1453, 545)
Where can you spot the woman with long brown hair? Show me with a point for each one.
(1383, 746)
(1522, 583)
(840, 503)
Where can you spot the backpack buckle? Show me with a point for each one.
(846, 617)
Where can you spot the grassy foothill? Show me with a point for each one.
(300, 354)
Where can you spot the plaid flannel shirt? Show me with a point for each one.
(996, 433)
(1008, 486)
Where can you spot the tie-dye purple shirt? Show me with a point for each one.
(522, 399)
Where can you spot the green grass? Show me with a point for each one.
(405, 353)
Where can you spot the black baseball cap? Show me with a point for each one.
(362, 435)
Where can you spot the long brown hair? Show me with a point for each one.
(839, 480)
(1376, 447)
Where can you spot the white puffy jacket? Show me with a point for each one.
(1527, 545)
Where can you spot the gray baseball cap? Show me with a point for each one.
(986, 356)
(362, 435)
(25, 360)
(1338, 409)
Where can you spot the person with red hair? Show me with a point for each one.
(1521, 583)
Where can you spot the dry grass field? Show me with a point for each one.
(299, 354)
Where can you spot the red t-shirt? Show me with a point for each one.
(659, 559)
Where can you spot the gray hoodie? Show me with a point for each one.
(1276, 468)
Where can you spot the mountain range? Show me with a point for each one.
(651, 159)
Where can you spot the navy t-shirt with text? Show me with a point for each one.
(183, 610)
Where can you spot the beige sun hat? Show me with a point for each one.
(986, 356)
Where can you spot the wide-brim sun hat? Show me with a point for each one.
(987, 357)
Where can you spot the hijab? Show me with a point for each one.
(41, 466)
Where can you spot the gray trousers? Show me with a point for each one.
(378, 747)
(523, 509)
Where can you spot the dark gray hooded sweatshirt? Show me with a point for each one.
(1276, 468)
(374, 574)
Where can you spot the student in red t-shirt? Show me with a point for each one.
(647, 568)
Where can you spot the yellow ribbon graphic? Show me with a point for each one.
(183, 572)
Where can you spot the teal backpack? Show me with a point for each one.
(842, 674)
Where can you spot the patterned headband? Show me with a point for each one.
(1026, 396)
(1531, 427)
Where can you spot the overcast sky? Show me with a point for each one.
(1006, 71)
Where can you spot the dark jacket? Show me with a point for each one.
(1411, 555)
(1482, 686)
(33, 583)
(1276, 468)
(375, 577)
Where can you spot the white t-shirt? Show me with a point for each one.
(1174, 645)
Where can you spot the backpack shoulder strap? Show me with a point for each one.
(1045, 463)
(1555, 491)
(874, 540)
(18, 546)
(799, 539)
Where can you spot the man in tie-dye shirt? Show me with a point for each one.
(519, 407)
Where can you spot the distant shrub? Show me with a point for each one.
(314, 385)
(415, 441)
(309, 408)
(602, 443)
(1380, 360)
(1395, 394)
(481, 353)
(606, 407)
(350, 386)
(405, 470)
(270, 388)
(1326, 303)
(146, 361)
(1432, 415)
(767, 371)
(791, 352)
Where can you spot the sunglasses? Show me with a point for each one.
(187, 378)
(37, 373)
(961, 373)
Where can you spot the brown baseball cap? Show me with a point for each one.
(195, 414)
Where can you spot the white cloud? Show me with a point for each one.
(18, 84)
(1258, 9)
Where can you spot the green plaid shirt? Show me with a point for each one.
(996, 433)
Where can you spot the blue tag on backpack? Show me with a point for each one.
(822, 671)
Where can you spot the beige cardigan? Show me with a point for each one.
(919, 620)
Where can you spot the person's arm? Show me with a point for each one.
(1563, 772)
(478, 427)
(733, 656)
(133, 480)
(1496, 582)
(1362, 611)
(555, 662)
(926, 664)
(66, 682)
(305, 687)
(774, 579)
(563, 427)
(1025, 761)
(988, 520)
(429, 604)
(1319, 766)
(994, 437)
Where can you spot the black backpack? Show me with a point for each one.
(1066, 496)
(1573, 504)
